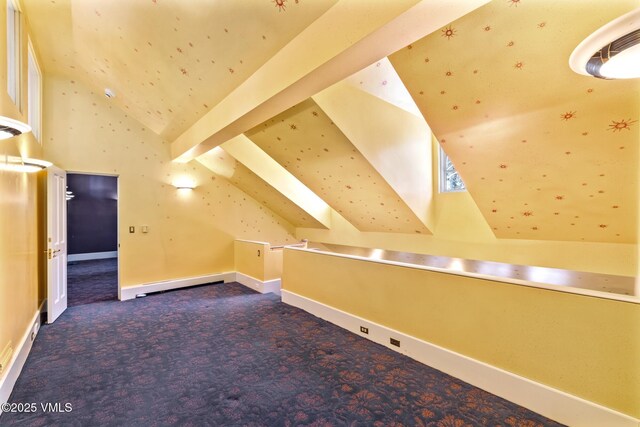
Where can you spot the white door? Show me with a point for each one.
(57, 243)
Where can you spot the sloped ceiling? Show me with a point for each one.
(545, 153)
(307, 143)
(382, 81)
(169, 61)
(221, 163)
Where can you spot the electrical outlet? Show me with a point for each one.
(364, 330)
(394, 342)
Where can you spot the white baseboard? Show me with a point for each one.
(547, 401)
(257, 285)
(131, 291)
(20, 354)
(92, 255)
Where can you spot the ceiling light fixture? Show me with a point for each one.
(612, 51)
(10, 157)
(10, 128)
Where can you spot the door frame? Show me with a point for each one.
(117, 176)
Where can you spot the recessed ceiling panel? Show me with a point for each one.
(308, 144)
(546, 153)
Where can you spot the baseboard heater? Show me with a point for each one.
(142, 295)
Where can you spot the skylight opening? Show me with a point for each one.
(450, 180)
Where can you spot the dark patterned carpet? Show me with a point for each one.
(92, 281)
(223, 355)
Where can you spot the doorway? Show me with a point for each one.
(92, 236)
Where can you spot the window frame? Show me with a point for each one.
(442, 168)
(14, 53)
(34, 93)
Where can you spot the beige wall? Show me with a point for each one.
(585, 346)
(19, 297)
(249, 258)
(258, 260)
(460, 230)
(273, 264)
(190, 232)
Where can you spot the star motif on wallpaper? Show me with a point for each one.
(514, 3)
(617, 126)
(280, 4)
(448, 32)
(568, 115)
(518, 65)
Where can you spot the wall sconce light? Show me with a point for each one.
(612, 51)
(10, 157)
(184, 184)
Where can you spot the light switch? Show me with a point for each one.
(144, 229)
(132, 229)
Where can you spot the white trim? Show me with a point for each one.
(20, 357)
(272, 286)
(34, 92)
(92, 255)
(130, 292)
(551, 403)
(253, 241)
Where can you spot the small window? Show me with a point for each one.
(450, 180)
(34, 88)
(13, 53)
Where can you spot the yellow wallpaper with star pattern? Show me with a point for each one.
(547, 154)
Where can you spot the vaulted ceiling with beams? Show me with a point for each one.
(168, 61)
(546, 153)
(308, 144)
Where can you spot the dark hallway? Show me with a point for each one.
(92, 281)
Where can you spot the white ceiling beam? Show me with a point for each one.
(348, 37)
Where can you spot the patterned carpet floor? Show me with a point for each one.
(223, 355)
(92, 281)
